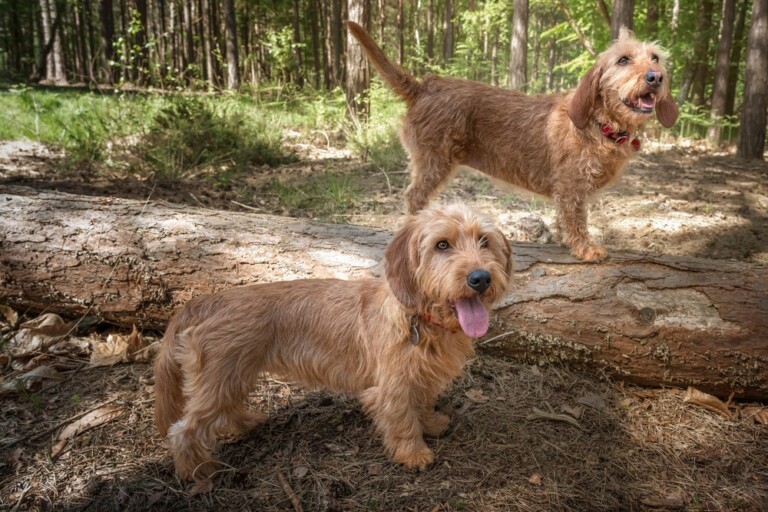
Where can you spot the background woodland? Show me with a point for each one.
(718, 48)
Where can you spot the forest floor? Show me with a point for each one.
(609, 446)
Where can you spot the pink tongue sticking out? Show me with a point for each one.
(473, 316)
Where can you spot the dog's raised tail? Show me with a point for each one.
(169, 400)
(401, 82)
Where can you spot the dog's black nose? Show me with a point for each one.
(479, 280)
(654, 78)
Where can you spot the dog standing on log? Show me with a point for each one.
(564, 146)
(395, 341)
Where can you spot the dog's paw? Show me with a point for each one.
(435, 424)
(591, 252)
(418, 459)
(200, 487)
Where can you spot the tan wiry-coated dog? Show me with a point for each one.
(395, 341)
(564, 146)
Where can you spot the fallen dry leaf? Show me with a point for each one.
(707, 401)
(592, 400)
(757, 414)
(535, 479)
(72, 346)
(116, 348)
(538, 414)
(672, 501)
(37, 335)
(476, 395)
(91, 420)
(576, 412)
(9, 315)
(27, 380)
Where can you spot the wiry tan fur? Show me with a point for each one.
(548, 144)
(345, 336)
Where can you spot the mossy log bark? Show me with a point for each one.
(650, 320)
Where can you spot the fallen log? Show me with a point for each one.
(650, 320)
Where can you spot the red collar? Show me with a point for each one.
(427, 319)
(619, 137)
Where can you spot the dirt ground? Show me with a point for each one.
(522, 437)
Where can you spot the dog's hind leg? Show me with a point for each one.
(430, 174)
(214, 403)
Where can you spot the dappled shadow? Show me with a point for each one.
(683, 204)
(621, 449)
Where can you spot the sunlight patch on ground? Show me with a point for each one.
(673, 222)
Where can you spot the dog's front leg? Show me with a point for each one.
(398, 421)
(572, 221)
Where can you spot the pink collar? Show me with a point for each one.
(619, 137)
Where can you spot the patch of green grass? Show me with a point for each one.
(289, 196)
(176, 134)
(338, 192)
(377, 141)
(82, 124)
(325, 196)
(191, 134)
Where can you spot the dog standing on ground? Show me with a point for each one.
(395, 341)
(563, 146)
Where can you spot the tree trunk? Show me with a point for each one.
(233, 61)
(651, 320)
(16, 37)
(753, 117)
(189, 40)
(210, 74)
(299, 72)
(140, 42)
(495, 57)
(431, 31)
(334, 38)
(518, 52)
(652, 19)
(107, 36)
(47, 58)
(358, 74)
(737, 49)
(703, 73)
(575, 26)
(448, 33)
(314, 16)
(400, 33)
(722, 69)
(621, 16)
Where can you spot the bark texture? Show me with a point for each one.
(651, 320)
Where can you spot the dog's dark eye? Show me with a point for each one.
(442, 245)
(654, 58)
(483, 242)
(623, 61)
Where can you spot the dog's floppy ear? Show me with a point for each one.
(509, 267)
(666, 111)
(399, 266)
(583, 101)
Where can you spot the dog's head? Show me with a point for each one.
(451, 264)
(625, 86)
